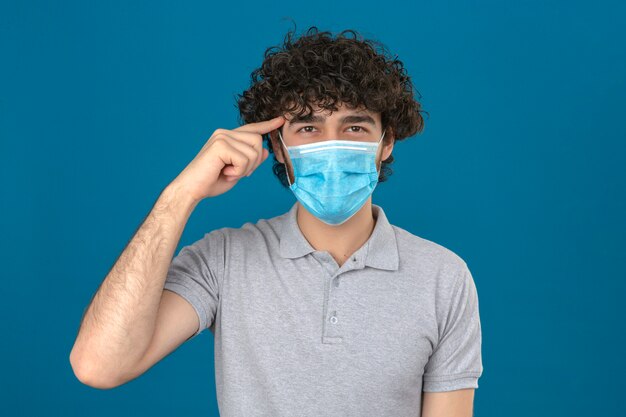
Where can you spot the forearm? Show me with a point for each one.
(118, 325)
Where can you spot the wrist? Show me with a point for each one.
(177, 196)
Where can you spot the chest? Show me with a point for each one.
(371, 322)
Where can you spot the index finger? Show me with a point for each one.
(265, 126)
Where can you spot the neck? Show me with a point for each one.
(340, 241)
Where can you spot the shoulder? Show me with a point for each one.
(250, 234)
(426, 250)
(429, 259)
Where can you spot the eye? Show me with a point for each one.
(362, 129)
(305, 127)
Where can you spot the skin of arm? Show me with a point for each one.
(131, 322)
(458, 403)
(118, 325)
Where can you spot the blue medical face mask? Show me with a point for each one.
(333, 178)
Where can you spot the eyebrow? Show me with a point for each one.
(316, 118)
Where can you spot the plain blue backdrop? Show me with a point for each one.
(521, 170)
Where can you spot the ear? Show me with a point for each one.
(389, 141)
(277, 146)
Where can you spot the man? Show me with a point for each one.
(326, 309)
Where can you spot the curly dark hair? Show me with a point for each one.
(319, 69)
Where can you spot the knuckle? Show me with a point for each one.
(241, 159)
(219, 144)
(219, 136)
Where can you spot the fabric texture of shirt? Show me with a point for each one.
(297, 335)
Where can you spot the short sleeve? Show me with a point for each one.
(456, 361)
(196, 275)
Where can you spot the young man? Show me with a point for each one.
(326, 309)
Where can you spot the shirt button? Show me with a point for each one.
(354, 259)
(333, 318)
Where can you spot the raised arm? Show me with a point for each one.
(118, 325)
(132, 322)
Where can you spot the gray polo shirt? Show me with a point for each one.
(297, 335)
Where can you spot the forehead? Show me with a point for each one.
(321, 115)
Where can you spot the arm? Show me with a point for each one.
(132, 322)
(458, 403)
(119, 324)
(452, 372)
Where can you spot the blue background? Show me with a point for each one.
(520, 170)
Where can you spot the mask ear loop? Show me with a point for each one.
(381, 156)
(284, 163)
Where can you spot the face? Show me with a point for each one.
(345, 124)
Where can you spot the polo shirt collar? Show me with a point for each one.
(382, 248)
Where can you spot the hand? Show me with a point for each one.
(225, 158)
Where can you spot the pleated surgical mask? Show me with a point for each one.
(333, 178)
